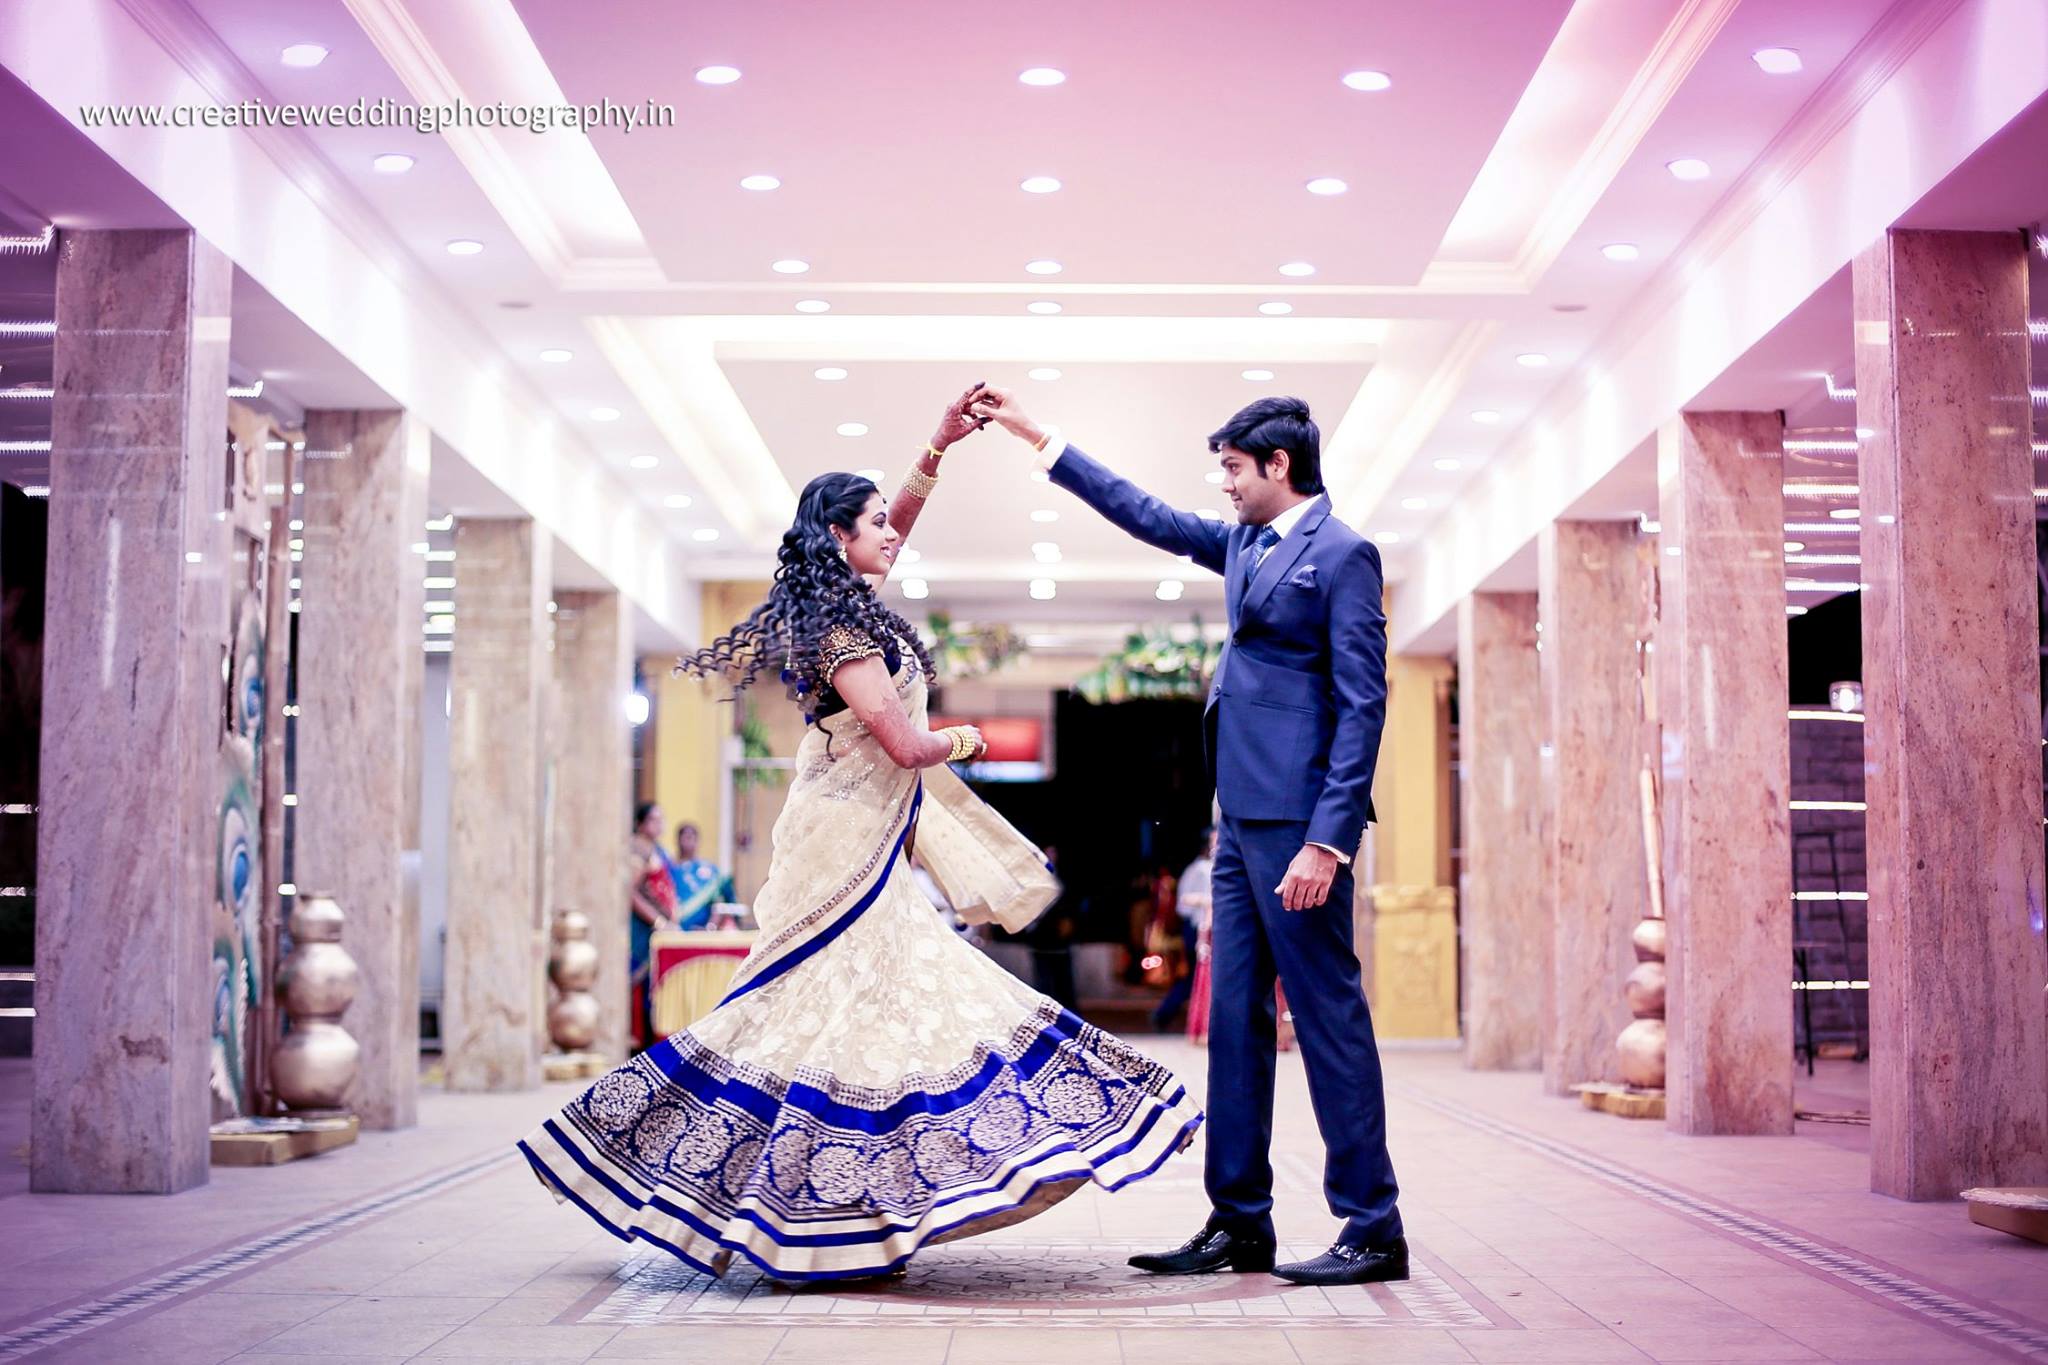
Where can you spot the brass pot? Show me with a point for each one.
(313, 1066)
(1646, 990)
(570, 924)
(1650, 940)
(1642, 1054)
(316, 918)
(319, 980)
(572, 1021)
(573, 965)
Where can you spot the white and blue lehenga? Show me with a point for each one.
(871, 1084)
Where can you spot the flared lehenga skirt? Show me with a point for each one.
(872, 1085)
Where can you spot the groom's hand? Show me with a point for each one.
(1001, 405)
(1307, 883)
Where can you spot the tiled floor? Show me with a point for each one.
(1541, 1232)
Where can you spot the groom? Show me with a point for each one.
(1293, 727)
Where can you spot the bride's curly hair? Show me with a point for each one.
(815, 590)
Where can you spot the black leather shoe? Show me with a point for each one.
(1213, 1248)
(1351, 1265)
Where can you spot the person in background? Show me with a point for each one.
(1192, 907)
(1051, 940)
(650, 875)
(699, 883)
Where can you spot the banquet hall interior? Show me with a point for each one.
(391, 391)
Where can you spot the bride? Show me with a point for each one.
(871, 1084)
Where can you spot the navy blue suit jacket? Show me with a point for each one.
(1300, 699)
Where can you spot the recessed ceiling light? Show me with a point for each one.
(1447, 465)
(916, 589)
(1388, 537)
(1297, 269)
(813, 306)
(604, 414)
(1777, 61)
(790, 267)
(1532, 360)
(705, 533)
(1214, 476)
(1368, 80)
(392, 163)
(1793, 547)
(717, 75)
(1327, 184)
(1208, 514)
(464, 246)
(555, 355)
(1044, 589)
(1276, 309)
(1414, 504)
(906, 555)
(1043, 307)
(643, 461)
(1044, 373)
(871, 475)
(676, 502)
(760, 182)
(1620, 251)
(1040, 184)
(1042, 75)
(1689, 168)
(1044, 515)
(304, 54)
(831, 374)
(853, 428)
(1486, 417)
(1169, 590)
(1258, 376)
(1845, 513)
(1043, 267)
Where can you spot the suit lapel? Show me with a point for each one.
(1283, 558)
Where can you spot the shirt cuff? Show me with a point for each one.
(1055, 446)
(1342, 858)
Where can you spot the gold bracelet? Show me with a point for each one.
(919, 484)
(963, 743)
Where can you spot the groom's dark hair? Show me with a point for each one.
(1273, 424)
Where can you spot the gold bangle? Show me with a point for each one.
(919, 484)
(934, 451)
(962, 741)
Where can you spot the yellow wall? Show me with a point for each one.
(1412, 787)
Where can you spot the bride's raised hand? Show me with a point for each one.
(960, 419)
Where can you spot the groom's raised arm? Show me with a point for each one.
(1131, 508)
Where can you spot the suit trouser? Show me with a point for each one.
(1253, 938)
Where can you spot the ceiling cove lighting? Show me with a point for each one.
(813, 306)
(1276, 309)
(1367, 81)
(1042, 307)
(464, 246)
(1042, 76)
(392, 163)
(1258, 376)
(303, 55)
(790, 266)
(1777, 61)
(1326, 185)
(1297, 270)
(1621, 251)
(1044, 374)
(1689, 168)
(760, 183)
(555, 355)
(1043, 267)
(1039, 184)
(1838, 392)
(831, 374)
(717, 75)
(1044, 589)
(852, 428)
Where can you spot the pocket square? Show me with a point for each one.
(1304, 577)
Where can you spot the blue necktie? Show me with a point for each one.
(1268, 538)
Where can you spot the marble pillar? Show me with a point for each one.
(133, 714)
(593, 763)
(1952, 744)
(500, 674)
(1589, 595)
(1504, 889)
(1727, 773)
(359, 672)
